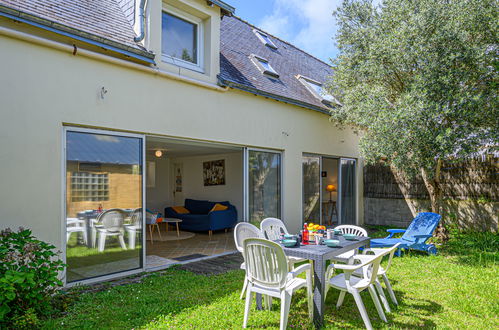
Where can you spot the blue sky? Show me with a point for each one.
(308, 24)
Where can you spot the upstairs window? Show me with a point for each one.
(264, 66)
(317, 90)
(265, 39)
(181, 40)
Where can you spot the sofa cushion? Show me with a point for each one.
(198, 207)
(180, 209)
(219, 207)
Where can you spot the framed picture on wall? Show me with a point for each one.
(214, 172)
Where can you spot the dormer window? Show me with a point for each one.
(181, 40)
(264, 66)
(317, 90)
(265, 39)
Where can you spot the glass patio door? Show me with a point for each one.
(347, 194)
(311, 189)
(262, 184)
(104, 203)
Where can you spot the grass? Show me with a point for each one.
(456, 289)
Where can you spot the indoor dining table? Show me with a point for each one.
(319, 254)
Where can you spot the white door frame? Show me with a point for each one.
(64, 194)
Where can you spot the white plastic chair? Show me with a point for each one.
(381, 273)
(354, 285)
(268, 273)
(111, 224)
(75, 225)
(349, 229)
(134, 227)
(271, 229)
(242, 231)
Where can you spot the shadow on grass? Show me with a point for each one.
(418, 312)
(160, 296)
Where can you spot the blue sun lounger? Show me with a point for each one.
(415, 236)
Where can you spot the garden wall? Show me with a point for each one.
(470, 191)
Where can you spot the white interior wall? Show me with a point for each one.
(193, 185)
(159, 196)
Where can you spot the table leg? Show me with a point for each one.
(178, 231)
(258, 297)
(319, 284)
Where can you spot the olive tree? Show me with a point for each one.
(418, 79)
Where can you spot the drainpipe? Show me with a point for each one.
(142, 24)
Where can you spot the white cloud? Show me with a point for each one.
(308, 24)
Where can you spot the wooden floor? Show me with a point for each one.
(201, 243)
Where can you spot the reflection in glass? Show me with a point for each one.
(103, 204)
(179, 38)
(348, 211)
(264, 185)
(311, 189)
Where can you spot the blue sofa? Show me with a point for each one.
(201, 219)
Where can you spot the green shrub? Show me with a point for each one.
(28, 278)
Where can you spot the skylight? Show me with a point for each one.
(265, 39)
(264, 66)
(317, 90)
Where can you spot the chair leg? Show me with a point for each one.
(102, 241)
(375, 299)
(68, 235)
(310, 293)
(362, 309)
(382, 296)
(268, 302)
(389, 289)
(340, 299)
(244, 287)
(285, 303)
(122, 241)
(94, 236)
(247, 305)
(85, 237)
(151, 229)
(210, 233)
(159, 232)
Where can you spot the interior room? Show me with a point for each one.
(194, 197)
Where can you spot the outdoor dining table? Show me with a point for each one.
(319, 254)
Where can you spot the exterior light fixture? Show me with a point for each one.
(158, 153)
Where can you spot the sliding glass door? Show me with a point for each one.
(104, 203)
(329, 190)
(311, 189)
(262, 185)
(348, 203)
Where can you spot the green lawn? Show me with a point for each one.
(457, 289)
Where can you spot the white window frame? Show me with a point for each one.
(199, 66)
(307, 81)
(256, 61)
(261, 36)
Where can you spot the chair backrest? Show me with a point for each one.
(136, 217)
(112, 219)
(266, 263)
(423, 224)
(242, 231)
(272, 228)
(391, 251)
(370, 270)
(350, 229)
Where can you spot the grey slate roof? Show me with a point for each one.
(238, 42)
(103, 18)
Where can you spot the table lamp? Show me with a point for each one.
(330, 188)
